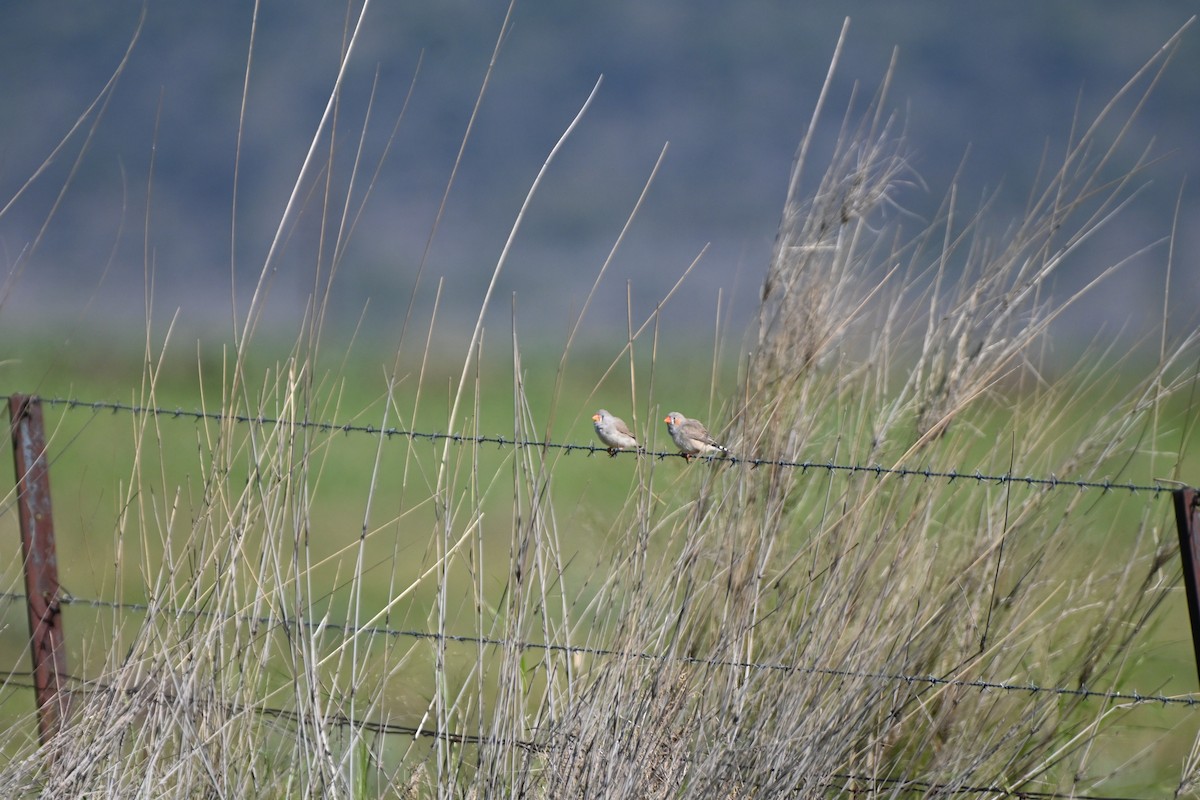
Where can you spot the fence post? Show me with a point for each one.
(41, 563)
(1187, 519)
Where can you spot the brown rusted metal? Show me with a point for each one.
(41, 562)
(1187, 519)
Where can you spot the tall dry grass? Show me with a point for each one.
(735, 632)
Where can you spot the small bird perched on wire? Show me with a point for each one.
(691, 437)
(614, 433)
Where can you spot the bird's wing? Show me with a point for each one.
(697, 431)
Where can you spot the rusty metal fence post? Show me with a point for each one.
(1187, 518)
(46, 638)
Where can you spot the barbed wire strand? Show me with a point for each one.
(387, 728)
(905, 784)
(878, 470)
(1130, 698)
(453, 737)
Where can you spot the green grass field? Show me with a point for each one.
(636, 627)
(130, 495)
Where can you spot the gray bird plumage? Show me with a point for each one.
(691, 437)
(613, 432)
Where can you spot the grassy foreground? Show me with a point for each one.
(350, 615)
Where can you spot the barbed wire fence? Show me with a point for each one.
(838, 780)
(1131, 698)
(50, 611)
(878, 470)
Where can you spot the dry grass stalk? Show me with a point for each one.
(755, 623)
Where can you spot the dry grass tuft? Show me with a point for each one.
(743, 632)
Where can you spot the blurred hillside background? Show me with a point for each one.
(982, 90)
